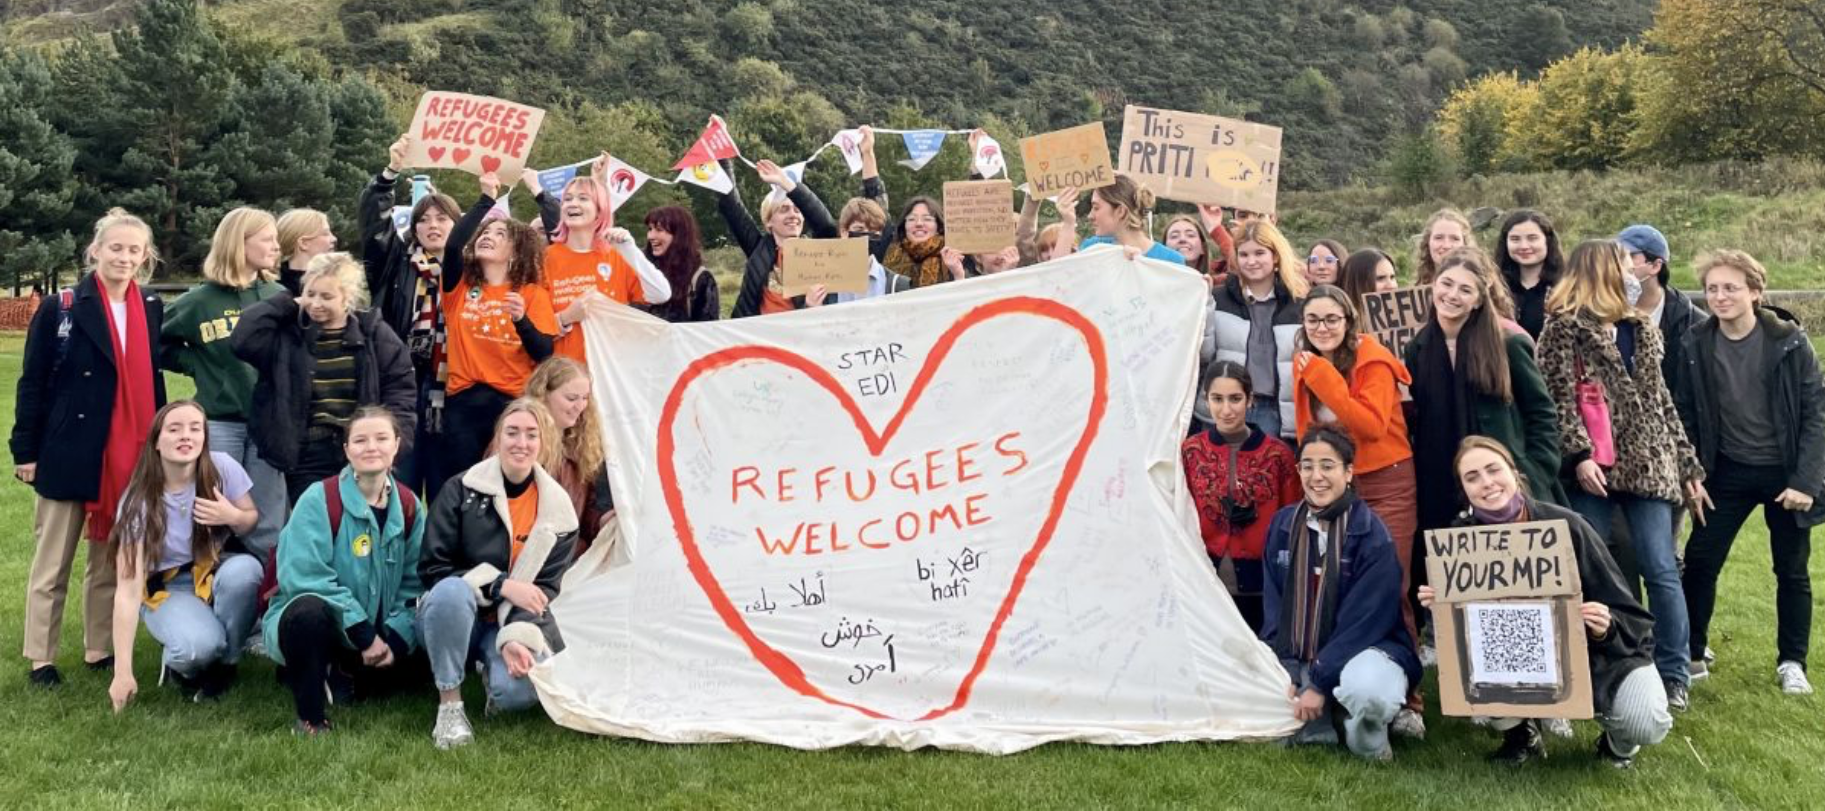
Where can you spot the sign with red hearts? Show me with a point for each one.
(953, 517)
(476, 134)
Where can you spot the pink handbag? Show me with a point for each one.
(1594, 410)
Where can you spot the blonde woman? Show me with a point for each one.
(499, 540)
(563, 386)
(1118, 215)
(304, 234)
(238, 273)
(1257, 321)
(1646, 465)
(87, 395)
(320, 358)
(1446, 230)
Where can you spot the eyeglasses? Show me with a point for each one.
(1321, 260)
(1328, 322)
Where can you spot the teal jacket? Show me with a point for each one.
(365, 573)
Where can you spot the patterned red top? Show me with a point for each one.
(1267, 476)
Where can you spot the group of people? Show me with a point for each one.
(393, 454)
(1545, 385)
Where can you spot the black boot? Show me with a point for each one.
(216, 682)
(1606, 752)
(1521, 744)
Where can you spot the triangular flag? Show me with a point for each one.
(796, 172)
(989, 160)
(554, 180)
(849, 142)
(503, 209)
(623, 181)
(710, 176)
(713, 145)
(922, 146)
(402, 220)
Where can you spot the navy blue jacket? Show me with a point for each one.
(61, 416)
(1368, 597)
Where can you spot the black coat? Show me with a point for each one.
(276, 339)
(61, 417)
(1678, 315)
(762, 249)
(468, 538)
(1629, 643)
(1795, 392)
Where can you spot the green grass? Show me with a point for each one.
(67, 750)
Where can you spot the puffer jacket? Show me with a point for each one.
(1232, 327)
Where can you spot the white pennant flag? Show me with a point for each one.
(796, 172)
(708, 175)
(989, 160)
(623, 181)
(849, 142)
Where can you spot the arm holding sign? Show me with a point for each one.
(551, 210)
(654, 289)
(459, 239)
(818, 222)
(742, 229)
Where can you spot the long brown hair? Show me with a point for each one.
(1344, 358)
(1482, 349)
(582, 443)
(681, 261)
(140, 532)
(527, 265)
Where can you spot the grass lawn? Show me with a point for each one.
(1744, 743)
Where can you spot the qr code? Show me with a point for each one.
(1512, 643)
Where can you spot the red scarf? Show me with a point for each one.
(134, 407)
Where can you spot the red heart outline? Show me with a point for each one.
(436, 153)
(781, 665)
(460, 156)
(490, 163)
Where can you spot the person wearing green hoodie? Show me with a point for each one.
(348, 576)
(238, 273)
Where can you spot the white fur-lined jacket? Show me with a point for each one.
(468, 537)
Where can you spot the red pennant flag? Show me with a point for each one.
(713, 145)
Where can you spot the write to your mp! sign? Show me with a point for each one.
(474, 134)
(849, 525)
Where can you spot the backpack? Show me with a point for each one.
(332, 504)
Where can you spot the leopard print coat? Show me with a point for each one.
(1653, 456)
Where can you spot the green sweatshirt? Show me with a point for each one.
(195, 339)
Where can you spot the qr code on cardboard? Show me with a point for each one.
(1511, 643)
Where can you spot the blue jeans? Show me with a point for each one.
(457, 631)
(1651, 535)
(268, 484)
(1264, 413)
(196, 634)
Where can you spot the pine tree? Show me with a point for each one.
(37, 188)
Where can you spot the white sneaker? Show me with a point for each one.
(1793, 679)
(1558, 727)
(1409, 724)
(452, 728)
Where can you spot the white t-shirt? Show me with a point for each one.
(120, 322)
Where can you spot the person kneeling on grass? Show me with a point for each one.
(1631, 702)
(501, 537)
(348, 574)
(1332, 605)
(173, 570)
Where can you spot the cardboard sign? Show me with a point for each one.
(840, 265)
(1202, 158)
(978, 215)
(475, 134)
(1396, 317)
(1078, 157)
(858, 528)
(1511, 639)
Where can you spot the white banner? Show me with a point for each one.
(953, 517)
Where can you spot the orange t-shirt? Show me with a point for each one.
(482, 344)
(570, 274)
(522, 509)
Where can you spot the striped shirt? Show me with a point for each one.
(334, 394)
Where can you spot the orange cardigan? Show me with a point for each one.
(1367, 404)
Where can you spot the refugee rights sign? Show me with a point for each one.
(858, 524)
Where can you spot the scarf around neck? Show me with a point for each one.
(1517, 506)
(134, 407)
(1309, 610)
(923, 261)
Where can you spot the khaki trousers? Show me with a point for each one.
(58, 525)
